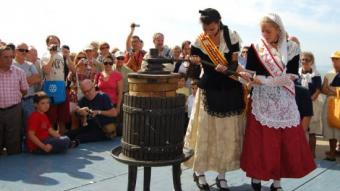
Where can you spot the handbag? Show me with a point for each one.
(333, 115)
(56, 90)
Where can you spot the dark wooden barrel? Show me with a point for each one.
(153, 125)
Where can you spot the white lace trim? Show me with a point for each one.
(307, 78)
(274, 107)
(293, 49)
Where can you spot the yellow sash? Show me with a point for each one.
(214, 54)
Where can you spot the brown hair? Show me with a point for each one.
(209, 16)
(194, 82)
(4, 47)
(76, 58)
(39, 96)
(52, 36)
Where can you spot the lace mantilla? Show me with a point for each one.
(275, 107)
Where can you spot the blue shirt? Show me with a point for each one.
(100, 102)
(30, 70)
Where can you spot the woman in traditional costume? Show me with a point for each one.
(275, 145)
(216, 124)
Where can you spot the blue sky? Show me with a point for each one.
(315, 23)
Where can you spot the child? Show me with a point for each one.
(41, 137)
(191, 97)
(182, 89)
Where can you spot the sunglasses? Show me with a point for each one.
(81, 57)
(104, 47)
(120, 58)
(108, 63)
(22, 50)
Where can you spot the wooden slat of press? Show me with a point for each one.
(147, 127)
(142, 128)
(168, 126)
(152, 127)
(157, 127)
(133, 125)
(162, 127)
(171, 122)
(137, 126)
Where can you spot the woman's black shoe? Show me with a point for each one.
(272, 188)
(218, 184)
(256, 186)
(204, 187)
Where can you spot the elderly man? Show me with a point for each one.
(158, 41)
(99, 113)
(163, 51)
(13, 85)
(32, 56)
(32, 76)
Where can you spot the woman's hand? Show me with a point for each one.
(246, 76)
(195, 59)
(255, 81)
(221, 68)
(332, 90)
(293, 77)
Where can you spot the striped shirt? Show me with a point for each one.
(11, 84)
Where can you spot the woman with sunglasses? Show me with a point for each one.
(110, 82)
(311, 79)
(104, 51)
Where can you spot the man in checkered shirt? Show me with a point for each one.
(13, 86)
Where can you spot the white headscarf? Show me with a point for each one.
(282, 43)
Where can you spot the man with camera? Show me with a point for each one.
(97, 113)
(53, 66)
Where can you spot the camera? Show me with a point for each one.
(53, 47)
(90, 111)
(135, 25)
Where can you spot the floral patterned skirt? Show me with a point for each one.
(217, 142)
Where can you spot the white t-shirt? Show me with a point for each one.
(57, 71)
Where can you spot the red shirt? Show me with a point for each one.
(39, 123)
(136, 62)
(110, 86)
